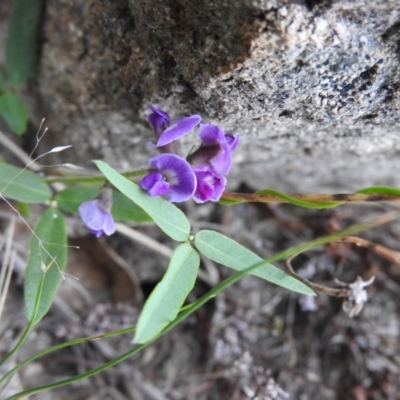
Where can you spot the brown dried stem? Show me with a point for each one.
(311, 198)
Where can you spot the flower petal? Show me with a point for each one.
(214, 150)
(232, 141)
(108, 225)
(176, 173)
(149, 180)
(98, 221)
(92, 215)
(210, 184)
(180, 128)
(159, 119)
(159, 188)
(209, 134)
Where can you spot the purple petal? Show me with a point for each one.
(108, 225)
(155, 184)
(180, 128)
(148, 181)
(97, 233)
(159, 119)
(214, 149)
(232, 141)
(210, 134)
(176, 173)
(96, 219)
(222, 161)
(210, 184)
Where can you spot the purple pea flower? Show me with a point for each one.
(96, 214)
(171, 177)
(232, 141)
(159, 119)
(166, 133)
(210, 184)
(215, 149)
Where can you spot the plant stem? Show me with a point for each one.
(63, 345)
(91, 179)
(30, 325)
(213, 292)
(311, 198)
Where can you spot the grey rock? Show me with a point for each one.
(312, 87)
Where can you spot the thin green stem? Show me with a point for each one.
(213, 292)
(91, 179)
(62, 346)
(31, 324)
(311, 200)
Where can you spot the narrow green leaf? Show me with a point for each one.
(167, 216)
(12, 110)
(3, 78)
(226, 251)
(298, 202)
(123, 209)
(225, 202)
(380, 190)
(167, 298)
(23, 209)
(52, 245)
(22, 39)
(27, 187)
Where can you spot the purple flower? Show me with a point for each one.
(232, 141)
(96, 214)
(210, 184)
(167, 133)
(159, 119)
(171, 177)
(215, 149)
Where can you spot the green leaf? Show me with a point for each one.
(27, 187)
(13, 111)
(298, 202)
(167, 298)
(53, 245)
(22, 39)
(226, 202)
(380, 190)
(168, 217)
(23, 209)
(71, 198)
(3, 78)
(226, 251)
(123, 209)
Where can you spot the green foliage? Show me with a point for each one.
(226, 202)
(3, 78)
(123, 209)
(13, 111)
(168, 217)
(50, 250)
(167, 298)
(298, 202)
(22, 39)
(226, 251)
(24, 186)
(190, 309)
(71, 198)
(381, 190)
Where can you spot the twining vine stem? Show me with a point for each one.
(312, 198)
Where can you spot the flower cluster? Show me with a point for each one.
(202, 175)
